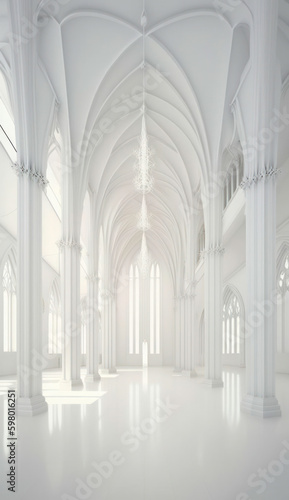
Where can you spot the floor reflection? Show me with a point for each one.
(231, 397)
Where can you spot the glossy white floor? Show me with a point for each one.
(162, 436)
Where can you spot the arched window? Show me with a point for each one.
(201, 243)
(202, 340)
(231, 324)
(7, 128)
(155, 306)
(83, 325)
(9, 305)
(54, 321)
(233, 179)
(134, 309)
(283, 304)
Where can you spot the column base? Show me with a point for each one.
(109, 371)
(189, 373)
(68, 385)
(261, 407)
(28, 407)
(177, 370)
(214, 383)
(92, 377)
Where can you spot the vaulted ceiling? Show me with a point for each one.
(197, 52)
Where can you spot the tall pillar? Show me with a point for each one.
(31, 169)
(177, 362)
(182, 332)
(109, 331)
(92, 345)
(190, 350)
(29, 292)
(213, 291)
(70, 319)
(260, 185)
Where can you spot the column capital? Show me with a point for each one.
(69, 243)
(266, 173)
(190, 289)
(34, 175)
(92, 278)
(107, 294)
(217, 249)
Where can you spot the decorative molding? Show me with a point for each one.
(228, 278)
(218, 249)
(34, 175)
(93, 278)
(68, 243)
(247, 182)
(107, 294)
(190, 289)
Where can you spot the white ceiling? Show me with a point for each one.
(90, 54)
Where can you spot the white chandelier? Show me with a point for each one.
(143, 217)
(144, 260)
(143, 180)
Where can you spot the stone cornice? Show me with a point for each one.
(34, 175)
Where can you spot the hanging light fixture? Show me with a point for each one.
(143, 217)
(143, 180)
(144, 260)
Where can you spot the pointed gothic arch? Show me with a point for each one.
(283, 303)
(9, 300)
(54, 319)
(233, 344)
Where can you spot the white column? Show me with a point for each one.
(261, 321)
(92, 343)
(260, 185)
(29, 292)
(112, 368)
(190, 365)
(177, 367)
(71, 316)
(109, 332)
(92, 332)
(31, 169)
(213, 291)
(182, 331)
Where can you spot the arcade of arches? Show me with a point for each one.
(181, 277)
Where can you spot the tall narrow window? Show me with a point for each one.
(54, 321)
(283, 306)
(155, 304)
(231, 325)
(134, 310)
(83, 325)
(201, 242)
(233, 179)
(9, 307)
